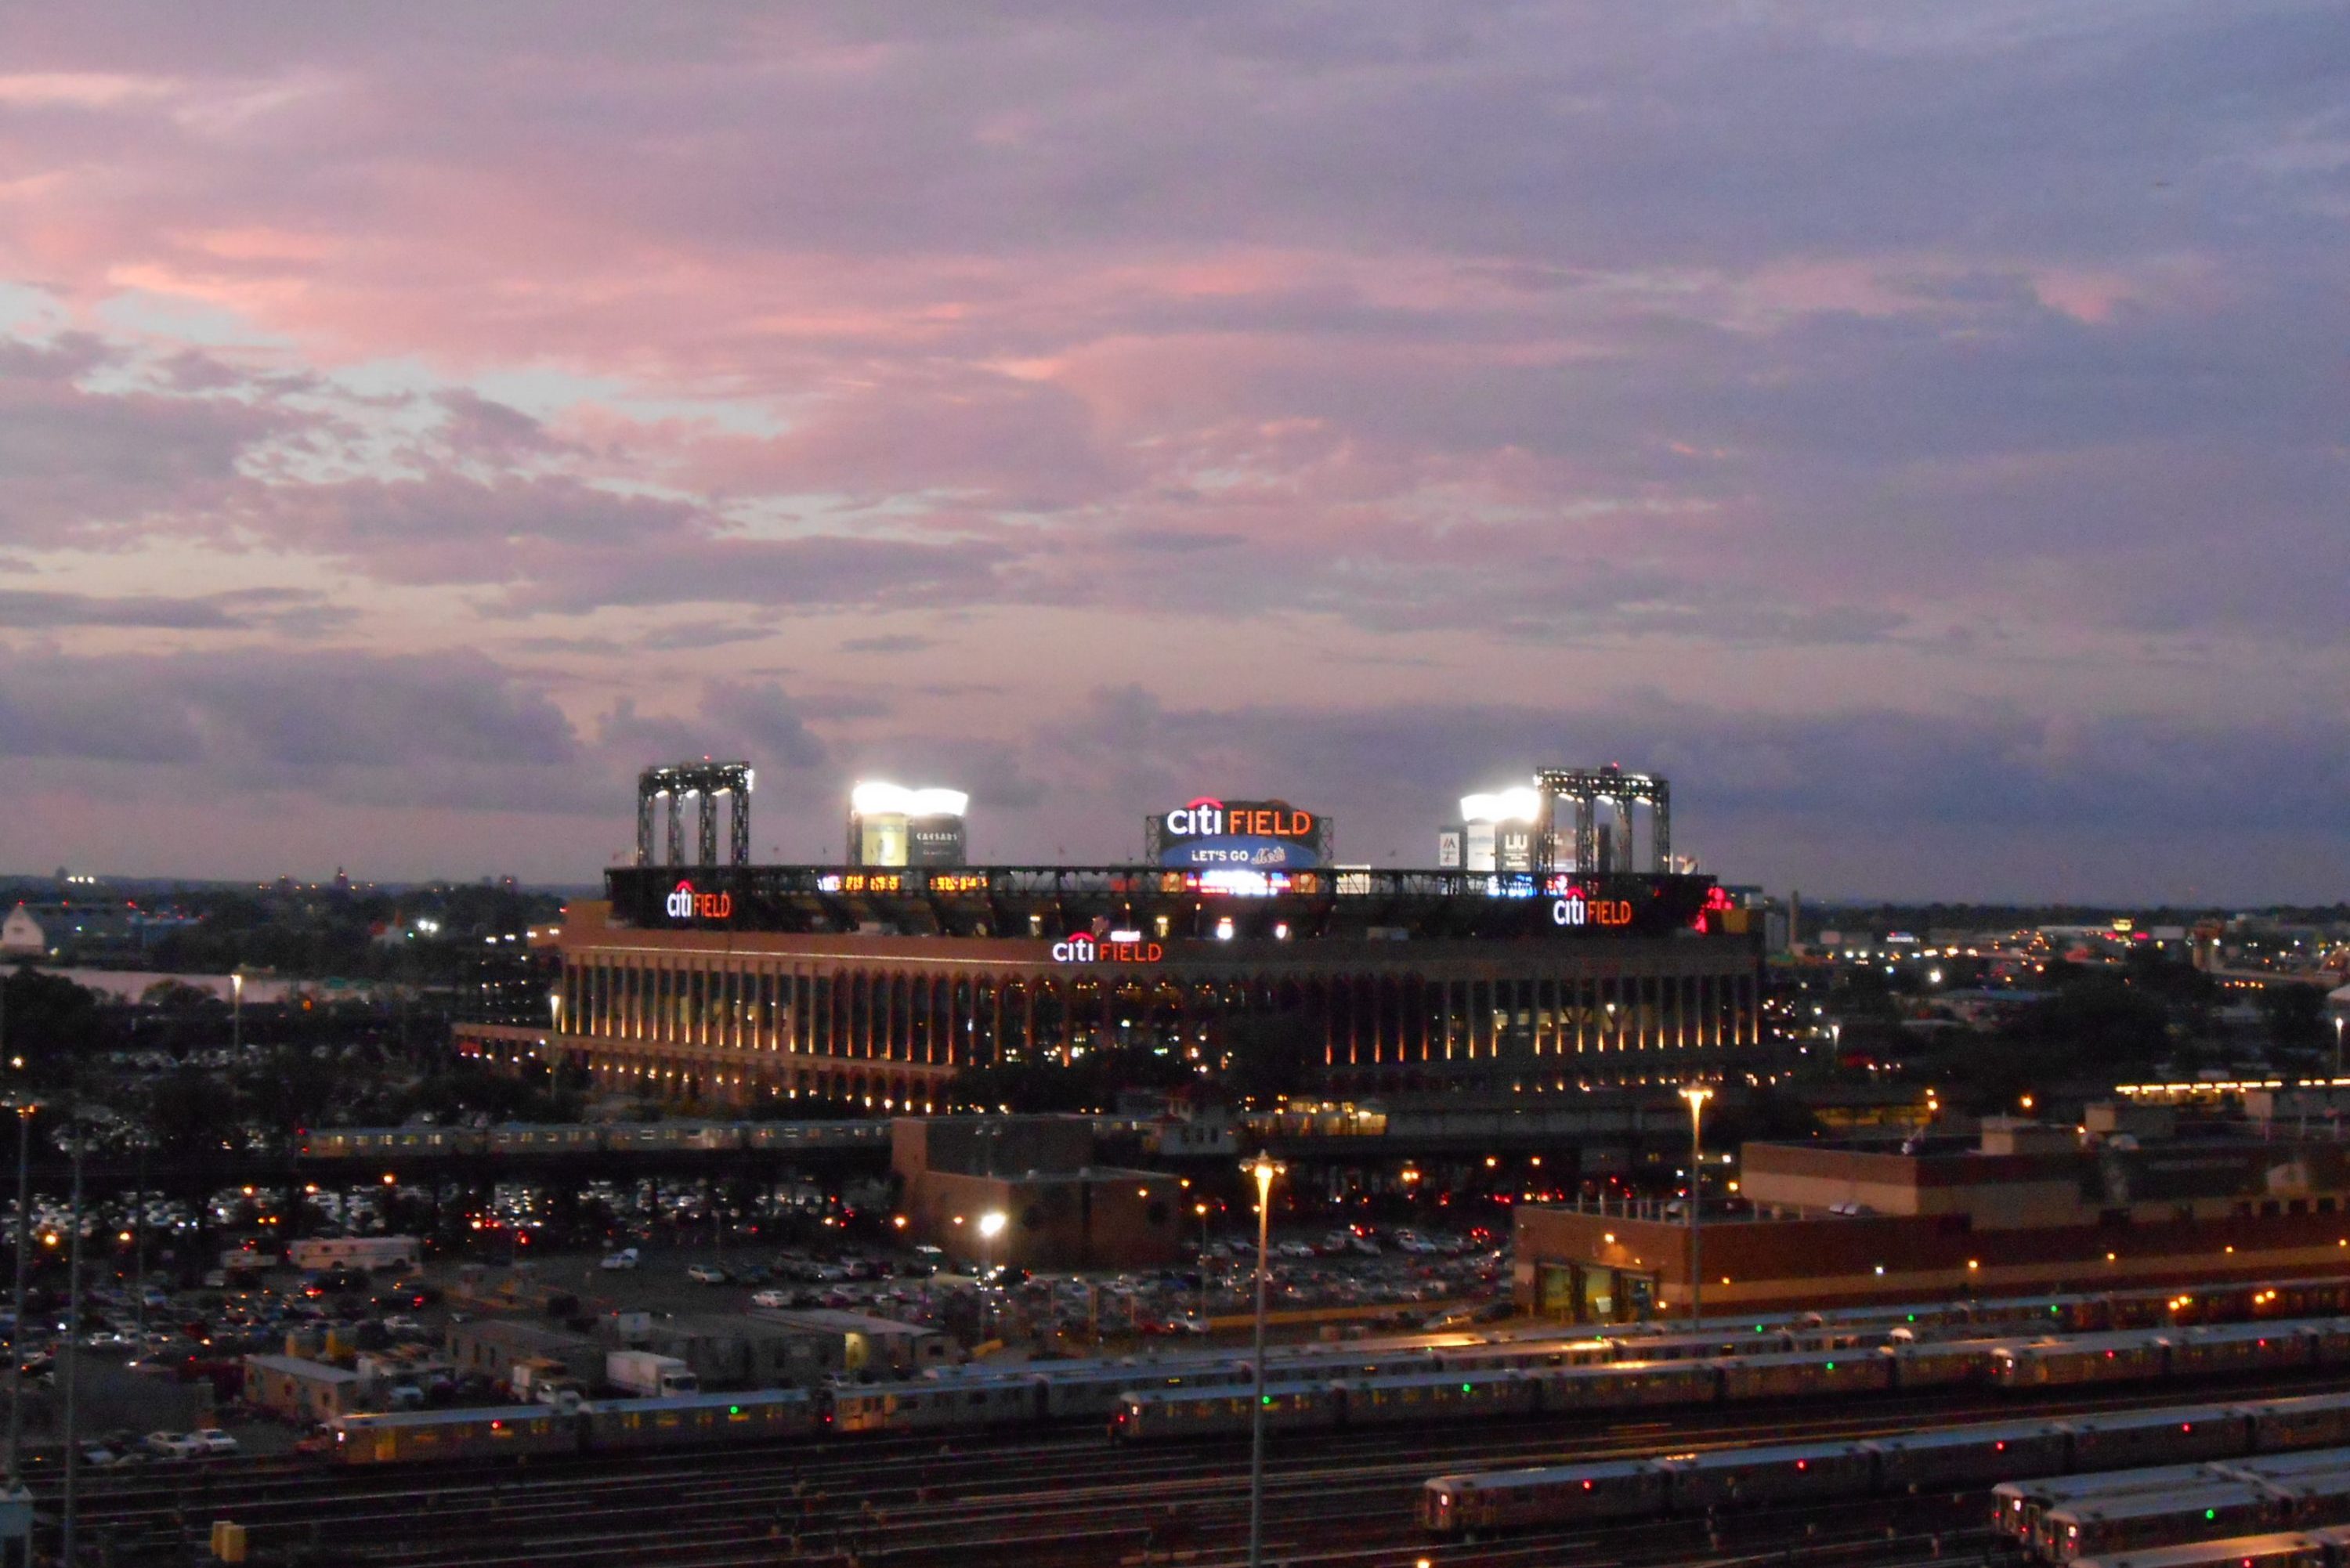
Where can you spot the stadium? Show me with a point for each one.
(877, 981)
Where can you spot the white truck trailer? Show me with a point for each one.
(649, 1377)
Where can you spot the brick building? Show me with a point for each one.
(2024, 1210)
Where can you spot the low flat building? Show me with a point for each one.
(491, 1348)
(848, 1343)
(2025, 1209)
(301, 1390)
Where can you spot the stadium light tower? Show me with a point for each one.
(1696, 1094)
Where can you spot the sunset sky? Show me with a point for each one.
(1920, 430)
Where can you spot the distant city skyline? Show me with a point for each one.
(1918, 433)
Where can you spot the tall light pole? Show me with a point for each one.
(73, 1343)
(25, 1109)
(1202, 1211)
(236, 1011)
(2339, 1019)
(1696, 1094)
(1264, 1169)
(990, 1226)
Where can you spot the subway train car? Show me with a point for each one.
(2020, 1509)
(1438, 1397)
(966, 1403)
(2180, 1441)
(2126, 1439)
(2100, 1526)
(1803, 1375)
(1977, 1455)
(1171, 1414)
(1630, 1386)
(693, 1420)
(2288, 1549)
(2079, 1359)
(423, 1436)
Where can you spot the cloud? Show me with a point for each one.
(239, 609)
(1799, 392)
(892, 642)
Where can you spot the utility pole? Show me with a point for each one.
(25, 1109)
(73, 1343)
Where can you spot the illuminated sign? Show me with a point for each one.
(863, 882)
(685, 904)
(1261, 835)
(1209, 818)
(956, 882)
(1119, 947)
(1574, 909)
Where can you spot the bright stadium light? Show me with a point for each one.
(1520, 805)
(876, 798)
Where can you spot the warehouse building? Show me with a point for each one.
(2023, 1210)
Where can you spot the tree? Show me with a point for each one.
(51, 1022)
(2295, 1016)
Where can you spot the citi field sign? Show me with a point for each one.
(1208, 834)
(1574, 909)
(685, 904)
(1119, 947)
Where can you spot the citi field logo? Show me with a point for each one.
(685, 904)
(1200, 818)
(1574, 909)
(1208, 817)
(1119, 947)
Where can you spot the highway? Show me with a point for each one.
(1063, 1498)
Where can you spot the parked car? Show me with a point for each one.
(706, 1274)
(771, 1297)
(173, 1445)
(626, 1257)
(213, 1440)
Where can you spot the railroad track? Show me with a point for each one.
(1343, 1498)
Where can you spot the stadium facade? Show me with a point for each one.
(729, 984)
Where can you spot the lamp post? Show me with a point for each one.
(1202, 1211)
(73, 1345)
(1696, 1094)
(25, 1109)
(2339, 1019)
(236, 1011)
(1264, 1169)
(990, 1226)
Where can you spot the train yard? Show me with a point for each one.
(1085, 1462)
(1064, 1497)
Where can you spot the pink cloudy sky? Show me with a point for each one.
(1919, 430)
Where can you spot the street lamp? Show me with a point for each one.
(25, 1109)
(1202, 1211)
(990, 1226)
(2339, 1019)
(1264, 1169)
(1696, 1094)
(236, 1011)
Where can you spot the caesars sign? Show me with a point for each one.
(1262, 834)
(685, 904)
